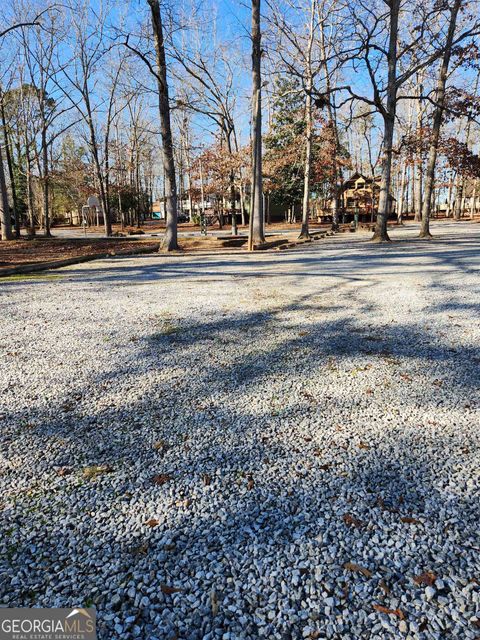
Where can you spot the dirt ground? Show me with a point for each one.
(25, 252)
(22, 252)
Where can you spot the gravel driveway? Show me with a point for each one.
(282, 445)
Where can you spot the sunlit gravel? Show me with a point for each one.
(278, 446)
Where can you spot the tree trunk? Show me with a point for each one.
(437, 122)
(338, 177)
(11, 175)
(401, 199)
(381, 234)
(304, 233)
(231, 188)
(418, 157)
(5, 223)
(46, 177)
(473, 199)
(256, 226)
(170, 242)
(30, 203)
(459, 198)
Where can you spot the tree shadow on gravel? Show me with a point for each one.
(320, 442)
(261, 497)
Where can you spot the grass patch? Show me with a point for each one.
(167, 328)
(30, 276)
(96, 470)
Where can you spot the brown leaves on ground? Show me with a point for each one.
(161, 479)
(184, 503)
(140, 549)
(384, 507)
(250, 483)
(160, 446)
(384, 587)
(64, 471)
(410, 520)
(206, 479)
(406, 377)
(165, 588)
(356, 568)
(363, 445)
(19, 252)
(426, 579)
(352, 521)
(390, 612)
(153, 522)
(308, 396)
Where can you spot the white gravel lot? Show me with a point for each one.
(272, 418)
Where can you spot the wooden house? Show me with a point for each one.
(361, 194)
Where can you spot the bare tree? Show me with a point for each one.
(256, 223)
(5, 221)
(170, 241)
(437, 117)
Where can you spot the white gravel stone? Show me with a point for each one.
(197, 445)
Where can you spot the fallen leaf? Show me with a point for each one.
(423, 625)
(164, 588)
(391, 612)
(384, 587)
(352, 521)
(406, 377)
(324, 467)
(427, 579)
(206, 479)
(160, 445)
(214, 603)
(161, 478)
(351, 566)
(369, 392)
(438, 383)
(363, 445)
(64, 471)
(409, 520)
(250, 483)
(153, 522)
(382, 504)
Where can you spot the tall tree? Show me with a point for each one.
(170, 241)
(256, 226)
(437, 119)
